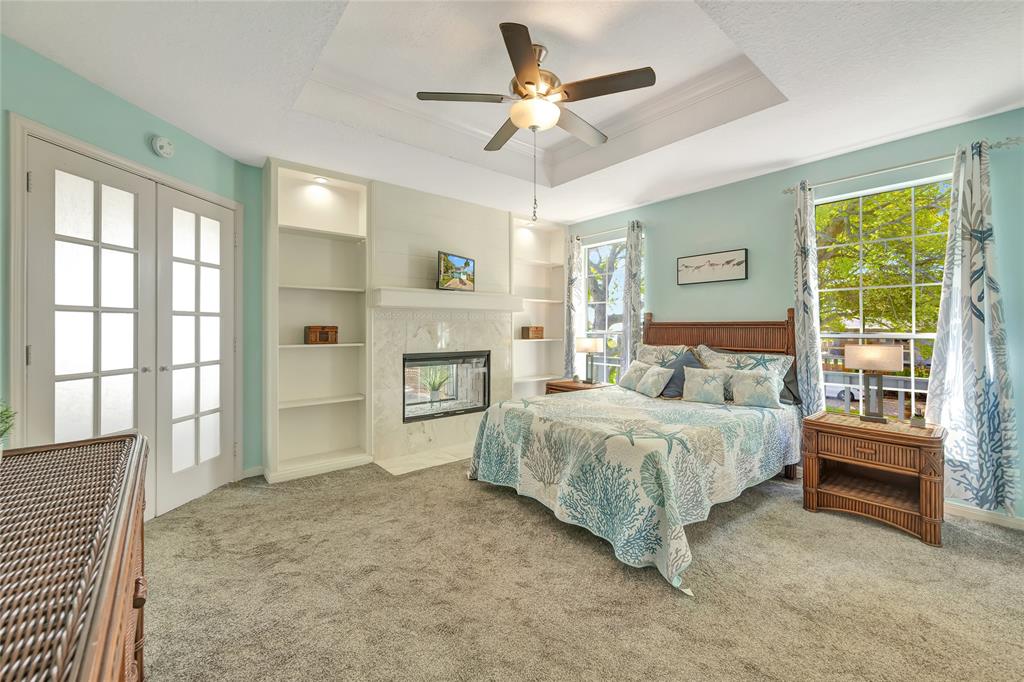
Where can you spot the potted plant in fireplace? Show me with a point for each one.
(434, 378)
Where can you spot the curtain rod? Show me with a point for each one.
(598, 234)
(1006, 142)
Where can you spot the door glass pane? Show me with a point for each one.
(73, 205)
(117, 341)
(209, 339)
(72, 410)
(183, 285)
(72, 342)
(117, 403)
(117, 279)
(117, 216)
(72, 274)
(209, 240)
(209, 436)
(183, 445)
(183, 392)
(183, 340)
(183, 234)
(209, 290)
(209, 387)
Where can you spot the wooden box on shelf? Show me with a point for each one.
(320, 333)
(890, 472)
(532, 333)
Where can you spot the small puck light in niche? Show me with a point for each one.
(162, 146)
(320, 180)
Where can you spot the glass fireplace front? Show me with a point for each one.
(445, 384)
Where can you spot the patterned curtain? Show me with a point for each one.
(573, 301)
(632, 328)
(969, 390)
(809, 375)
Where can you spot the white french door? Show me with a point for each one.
(125, 300)
(195, 378)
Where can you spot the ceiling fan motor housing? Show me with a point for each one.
(548, 80)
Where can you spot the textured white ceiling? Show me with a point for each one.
(854, 73)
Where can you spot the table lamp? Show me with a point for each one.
(875, 360)
(589, 345)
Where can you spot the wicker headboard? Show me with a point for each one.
(756, 337)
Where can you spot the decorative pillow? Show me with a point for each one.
(674, 388)
(767, 362)
(704, 385)
(755, 388)
(653, 381)
(662, 356)
(634, 374)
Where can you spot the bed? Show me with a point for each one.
(636, 470)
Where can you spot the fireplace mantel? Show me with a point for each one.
(407, 297)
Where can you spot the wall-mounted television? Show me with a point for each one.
(456, 273)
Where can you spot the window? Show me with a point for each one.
(606, 279)
(880, 261)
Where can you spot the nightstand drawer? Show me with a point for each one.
(869, 451)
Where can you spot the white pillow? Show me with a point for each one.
(654, 381)
(634, 374)
(704, 385)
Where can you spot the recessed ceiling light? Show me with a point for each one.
(320, 180)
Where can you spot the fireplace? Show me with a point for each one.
(445, 384)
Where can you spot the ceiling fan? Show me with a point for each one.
(539, 96)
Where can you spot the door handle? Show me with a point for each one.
(163, 368)
(146, 370)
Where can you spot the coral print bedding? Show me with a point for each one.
(631, 469)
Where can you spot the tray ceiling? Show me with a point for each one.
(743, 88)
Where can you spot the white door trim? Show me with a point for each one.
(21, 129)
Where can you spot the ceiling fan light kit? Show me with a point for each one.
(535, 113)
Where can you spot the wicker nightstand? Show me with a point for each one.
(567, 385)
(890, 472)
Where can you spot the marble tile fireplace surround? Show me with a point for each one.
(398, 332)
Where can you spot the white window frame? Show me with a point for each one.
(601, 367)
(21, 129)
(913, 336)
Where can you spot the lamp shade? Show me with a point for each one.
(589, 344)
(535, 112)
(877, 357)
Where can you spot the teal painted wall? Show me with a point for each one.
(755, 214)
(39, 89)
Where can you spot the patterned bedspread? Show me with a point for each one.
(631, 469)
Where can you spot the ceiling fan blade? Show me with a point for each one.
(573, 124)
(520, 51)
(503, 135)
(462, 97)
(607, 85)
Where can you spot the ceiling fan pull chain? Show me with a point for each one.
(534, 175)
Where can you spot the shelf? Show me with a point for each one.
(317, 463)
(329, 400)
(539, 263)
(310, 287)
(534, 340)
(889, 491)
(407, 297)
(321, 345)
(539, 377)
(544, 300)
(306, 231)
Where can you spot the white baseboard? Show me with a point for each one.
(994, 517)
(252, 471)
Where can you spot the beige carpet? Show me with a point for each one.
(362, 575)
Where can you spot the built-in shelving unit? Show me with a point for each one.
(537, 266)
(317, 418)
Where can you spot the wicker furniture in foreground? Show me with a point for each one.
(890, 472)
(71, 565)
